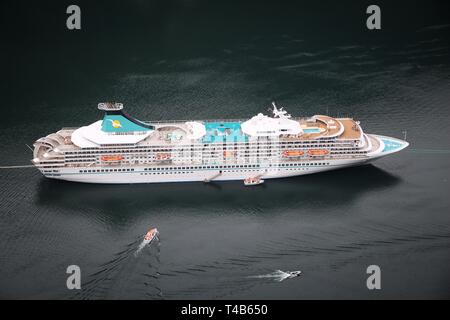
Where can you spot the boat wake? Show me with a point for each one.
(278, 275)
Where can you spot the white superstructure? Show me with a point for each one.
(121, 149)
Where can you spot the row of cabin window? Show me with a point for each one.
(206, 167)
(105, 170)
(349, 152)
(300, 145)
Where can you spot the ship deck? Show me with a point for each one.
(176, 132)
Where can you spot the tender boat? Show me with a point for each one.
(253, 181)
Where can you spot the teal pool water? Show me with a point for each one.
(390, 145)
(224, 132)
(311, 130)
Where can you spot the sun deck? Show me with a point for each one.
(318, 126)
(352, 131)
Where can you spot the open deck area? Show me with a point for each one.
(351, 129)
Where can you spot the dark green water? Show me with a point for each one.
(194, 60)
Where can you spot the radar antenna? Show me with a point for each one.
(110, 106)
(279, 113)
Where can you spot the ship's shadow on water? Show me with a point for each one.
(327, 189)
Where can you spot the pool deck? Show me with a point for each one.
(229, 131)
(224, 132)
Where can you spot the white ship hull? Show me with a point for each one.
(141, 176)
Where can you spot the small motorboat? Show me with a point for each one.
(279, 275)
(148, 238)
(151, 234)
(293, 274)
(253, 181)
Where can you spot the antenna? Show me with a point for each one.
(404, 134)
(279, 113)
(110, 106)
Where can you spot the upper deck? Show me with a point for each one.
(352, 130)
(178, 132)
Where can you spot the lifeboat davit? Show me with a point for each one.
(111, 158)
(293, 153)
(317, 152)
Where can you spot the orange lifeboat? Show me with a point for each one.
(162, 156)
(292, 153)
(111, 158)
(228, 153)
(317, 152)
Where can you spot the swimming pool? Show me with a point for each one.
(311, 130)
(224, 132)
(390, 145)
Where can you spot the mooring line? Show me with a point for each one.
(429, 151)
(17, 167)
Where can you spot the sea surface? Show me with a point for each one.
(229, 59)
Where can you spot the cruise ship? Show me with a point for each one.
(121, 149)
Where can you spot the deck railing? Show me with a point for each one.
(210, 120)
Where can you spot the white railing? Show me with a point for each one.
(210, 120)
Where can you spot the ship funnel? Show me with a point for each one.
(110, 106)
(116, 120)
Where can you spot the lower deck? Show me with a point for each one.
(195, 173)
(264, 168)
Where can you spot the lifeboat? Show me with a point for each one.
(293, 153)
(112, 158)
(228, 153)
(317, 152)
(162, 156)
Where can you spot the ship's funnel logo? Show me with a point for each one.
(115, 123)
